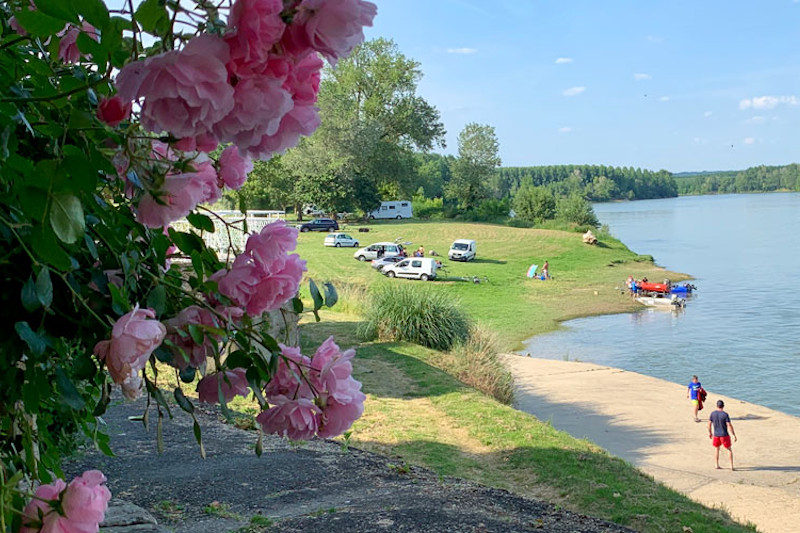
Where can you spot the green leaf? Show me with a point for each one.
(157, 300)
(44, 243)
(66, 217)
(186, 242)
(187, 374)
(238, 359)
(297, 305)
(33, 202)
(315, 295)
(88, 45)
(183, 401)
(260, 443)
(94, 11)
(34, 341)
(119, 303)
(160, 433)
(30, 300)
(59, 9)
(197, 333)
(44, 287)
(201, 222)
(198, 436)
(68, 391)
(152, 16)
(331, 296)
(155, 392)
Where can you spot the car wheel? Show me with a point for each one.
(338, 245)
(355, 245)
(372, 217)
(362, 258)
(304, 230)
(398, 217)
(330, 229)
(391, 274)
(424, 277)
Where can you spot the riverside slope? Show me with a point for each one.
(648, 422)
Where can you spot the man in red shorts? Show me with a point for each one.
(720, 422)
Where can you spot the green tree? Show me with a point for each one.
(576, 209)
(476, 164)
(534, 204)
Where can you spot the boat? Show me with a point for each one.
(663, 303)
(686, 288)
(647, 286)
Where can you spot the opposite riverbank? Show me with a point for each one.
(647, 421)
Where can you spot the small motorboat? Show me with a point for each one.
(686, 288)
(673, 302)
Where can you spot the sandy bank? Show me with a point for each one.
(648, 422)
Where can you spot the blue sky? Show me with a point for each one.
(680, 85)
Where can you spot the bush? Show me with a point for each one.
(476, 362)
(415, 314)
(519, 223)
(426, 208)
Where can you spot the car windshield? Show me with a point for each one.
(460, 246)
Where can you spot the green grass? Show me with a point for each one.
(426, 417)
(586, 278)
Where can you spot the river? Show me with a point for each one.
(740, 332)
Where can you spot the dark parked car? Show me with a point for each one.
(320, 224)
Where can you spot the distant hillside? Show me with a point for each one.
(754, 179)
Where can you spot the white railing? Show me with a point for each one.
(229, 228)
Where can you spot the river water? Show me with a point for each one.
(740, 332)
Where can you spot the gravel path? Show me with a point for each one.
(314, 487)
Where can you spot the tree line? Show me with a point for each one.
(754, 179)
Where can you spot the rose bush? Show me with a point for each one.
(114, 125)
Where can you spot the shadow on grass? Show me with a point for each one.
(479, 260)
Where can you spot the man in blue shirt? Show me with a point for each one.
(691, 393)
(720, 422)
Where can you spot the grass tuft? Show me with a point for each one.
(408, 312)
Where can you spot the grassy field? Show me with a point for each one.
(417, 414)
(586, 279)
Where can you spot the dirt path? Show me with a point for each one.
(648, 422)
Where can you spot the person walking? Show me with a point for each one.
(692, 394)
(718, 425)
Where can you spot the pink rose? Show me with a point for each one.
(272, 242)
(207, 180)
(134, 337)
(303, 80)
(277, 286)
(240, 281)
(233, 168)
(68, 51)
(297, 419)
(232, 382)
(260, 103)
(205, 142)
(301, 120)
(331, 27)
(337, 417)
(14, 24)
(332, 374)
(83, 506)
(179, 195)
(184, 345)
(185, 92)
(288, 379)
(257, 26)
(114, 110)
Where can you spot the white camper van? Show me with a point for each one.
(462, 250)
(399, 209)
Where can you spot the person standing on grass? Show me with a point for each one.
(546, 269)
(692, 394)
(720, 423)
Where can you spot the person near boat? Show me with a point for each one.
(719, 422)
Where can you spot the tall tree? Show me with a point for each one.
(476, 165)
(373, 122)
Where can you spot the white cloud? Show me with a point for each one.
(655, 39)
(564, 129)
(749, 140)
(639, 76)
(767, 102)
(758, 119)
(462, 50)
(700, 140)
(707, 114)
(563, 60)
(664, 99)
(574, 91)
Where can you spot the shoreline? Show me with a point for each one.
(648, 422)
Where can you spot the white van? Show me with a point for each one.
(398, 210)
(423, 268)
(462, 250)
(379, 249)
